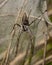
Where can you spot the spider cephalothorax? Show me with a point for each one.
(25, 22)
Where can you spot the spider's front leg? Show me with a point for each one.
(37, 18)
(13, 29)
(17, 41)
(32, 45)
(16, 25)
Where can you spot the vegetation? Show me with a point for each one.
(50, 17)
(22, 49)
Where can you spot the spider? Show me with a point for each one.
(25, 22)
(24, 27)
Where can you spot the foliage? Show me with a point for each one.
(50, 18)
(49, 63)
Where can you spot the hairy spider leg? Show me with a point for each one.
(31, 46)
(44, 55)
(38, 18)
(17, 45)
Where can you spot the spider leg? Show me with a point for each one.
(26, 54)
(16, 25)
(17, 42)
(32, 46)
(45, 21)
(13, 30)
(45, 35)
(31, 49)
(39, 17)
(35, 20)
(45, 46)
(29, 13)
(32, 38)
(43, 16)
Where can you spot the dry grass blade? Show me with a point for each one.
(5, 59)
(18, 58)
(41, 61)
(44, 55)
(3, 3)
(20, 10)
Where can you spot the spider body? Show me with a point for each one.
(25, 22)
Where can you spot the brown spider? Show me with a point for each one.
(25, 22)
(25, 27)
